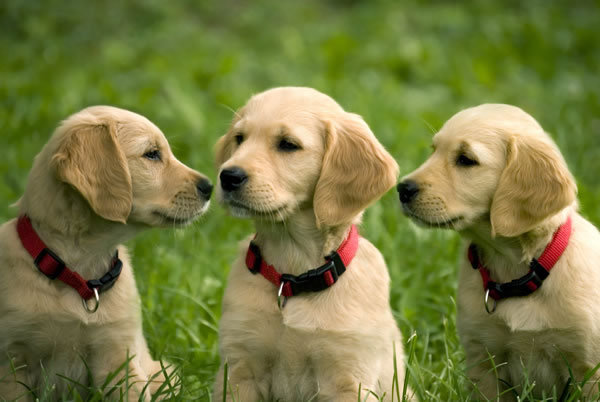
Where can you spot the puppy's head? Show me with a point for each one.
(491, 163)
(290, 149)
(123, 168)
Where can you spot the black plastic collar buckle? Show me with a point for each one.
(518, 287)
(338, 265)
(257, 258)
(314, 280)
(473, 256)
(60, 264)
(108, 279)
(539, 270)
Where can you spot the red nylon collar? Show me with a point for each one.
(314, 280)
(53, 267)
(539, 268)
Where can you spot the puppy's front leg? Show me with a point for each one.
(157, 377)
(111, 354)
(241, 385)
(346, 397)
(11, 384)
(338, 383)
(484, 371)
(154, 370)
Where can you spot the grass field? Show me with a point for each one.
(406, 67)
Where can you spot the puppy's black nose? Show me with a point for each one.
(233, 178)
(408, 190)
(205, 188)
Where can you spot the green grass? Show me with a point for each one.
(406, 67)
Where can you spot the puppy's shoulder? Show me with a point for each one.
(368, 275)
(10, 255)
(368, 255)
(239, 263)
(9, 238)
(13, 257)
(583, 252)
(584, 229)
(244, 290)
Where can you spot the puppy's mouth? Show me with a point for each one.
(180, 220)
(243, 210)
(447, 223)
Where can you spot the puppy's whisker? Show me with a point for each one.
(281, 218)
(433, 130)
(179, 213)
(444, 218)
(230, 109)
(173, 222)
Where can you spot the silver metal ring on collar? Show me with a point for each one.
(96, 303)
(486, 300)
(281, 299)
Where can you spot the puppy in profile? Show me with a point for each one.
(306, 312)
(529, 283)
(69, 306)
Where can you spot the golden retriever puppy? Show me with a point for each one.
(68, 299)
(306, 312)
(529, 285)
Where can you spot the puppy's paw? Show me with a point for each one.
(163, 382)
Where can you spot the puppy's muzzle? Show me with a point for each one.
(407, 190)
(233, 178)
(204, 187)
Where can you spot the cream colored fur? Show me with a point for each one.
(510, 204)
(90, 188)
(320, 345)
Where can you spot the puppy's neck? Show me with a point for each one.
(297, 245)
(67, 225)
(508, 257)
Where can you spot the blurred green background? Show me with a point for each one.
(406, 67)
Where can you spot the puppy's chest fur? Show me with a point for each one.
(46, 348)
(523, 339)
(541, 332)
(541, 356)
(43, 324)
(288, 360)
(319, 340)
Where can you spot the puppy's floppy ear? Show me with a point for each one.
(534, 185)
(225, 145)
(90, 159)
(356, 171)
(223, 150)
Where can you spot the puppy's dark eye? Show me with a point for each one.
(153, 155)
(239, 138)
(464, 160)
(287, 146)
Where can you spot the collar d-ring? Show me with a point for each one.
(280, 298)
(96, 302)
(486, 300)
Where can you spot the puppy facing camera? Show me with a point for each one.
(306, 310)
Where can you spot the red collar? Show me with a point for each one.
(314, 280)
(53, 267)
(539, 269)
